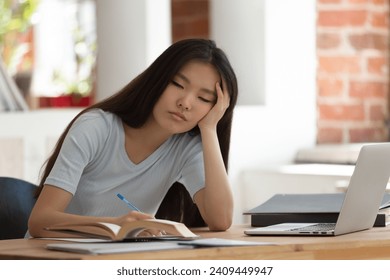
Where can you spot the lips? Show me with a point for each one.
(179, 115)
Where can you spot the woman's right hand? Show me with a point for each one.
(135, 216)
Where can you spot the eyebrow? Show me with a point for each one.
(212, 92)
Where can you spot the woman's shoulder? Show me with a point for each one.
(96, 117)
(95, 122)
(96, 114)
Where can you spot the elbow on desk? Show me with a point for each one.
(34, 228)
(221, 222)
(34, 232)
(220, 225)
(219, 228)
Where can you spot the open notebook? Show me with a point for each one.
(361, 203)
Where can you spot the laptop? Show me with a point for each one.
(361, 202)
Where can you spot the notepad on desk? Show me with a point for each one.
(128, 247)
(222, 242)
(116, 248)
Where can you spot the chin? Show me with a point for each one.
(175, 128)
(182, 131)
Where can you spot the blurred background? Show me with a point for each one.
(313, 79)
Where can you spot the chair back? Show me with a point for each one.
(16, 202)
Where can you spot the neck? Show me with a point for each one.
(148, 135)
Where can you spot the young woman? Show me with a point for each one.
(162, 142)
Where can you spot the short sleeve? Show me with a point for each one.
(81, 144)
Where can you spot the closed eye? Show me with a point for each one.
(176, 84)
(206, 100)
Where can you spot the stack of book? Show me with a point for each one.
(308, 208)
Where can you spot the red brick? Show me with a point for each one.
(341, 112)
(357, 1)
(377, 112)
(377, 65)
(195, 28)
(368, 118)
(328, 40)
(186, 8)
(330, 87)
(341, 64)
(380, 19)
(369, 41)
(368, 89)
(338, 18)
(369, 134)
(190, 18)
(379, 2)
(329, 135)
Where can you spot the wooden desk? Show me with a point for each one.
(369, 244)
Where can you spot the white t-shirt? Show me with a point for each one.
(93, 165)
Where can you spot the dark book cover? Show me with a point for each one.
(306, 208)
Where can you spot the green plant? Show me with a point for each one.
(84, 57)
(15, 21)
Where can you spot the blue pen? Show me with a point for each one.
(131, 206)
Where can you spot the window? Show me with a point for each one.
(65, 48)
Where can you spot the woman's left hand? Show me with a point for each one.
(216, 113)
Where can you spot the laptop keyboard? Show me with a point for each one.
(317, 227)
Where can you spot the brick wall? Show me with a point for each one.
(352, 74)
(353, 64)
(190, 19)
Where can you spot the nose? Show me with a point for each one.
(182, 107)
(184, 103)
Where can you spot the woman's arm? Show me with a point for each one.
(50, 209)
(215, 201)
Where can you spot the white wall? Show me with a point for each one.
(27, 138)
(238, 28)
(130, 35)
(270, 134)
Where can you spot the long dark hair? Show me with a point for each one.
(134, 104)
